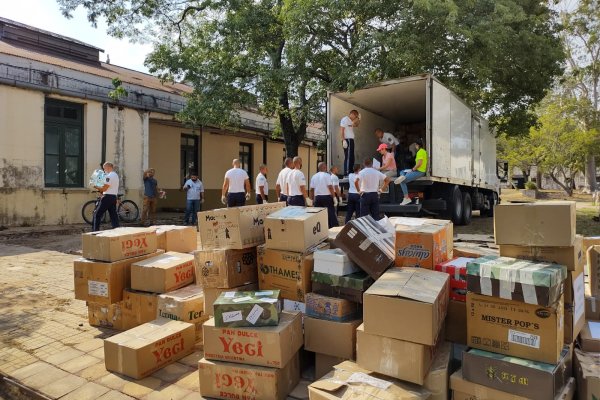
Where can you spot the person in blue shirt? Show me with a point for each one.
(195, 197)
(150, 197)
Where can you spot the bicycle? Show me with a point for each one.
(127, 210)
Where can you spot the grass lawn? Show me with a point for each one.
(586, 226)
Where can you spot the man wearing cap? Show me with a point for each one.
(236, 186)
(262, 186)
(368, 184)
(296, 184)
(322, 193)
(281, 190)
(409, 175)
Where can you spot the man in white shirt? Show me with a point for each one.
(347, 125)
(296, 184)
(281, 183)
(368, 185)
(322, 193)
(195, 197)
(262, 186)
(353, 203)
(335, 182)
(236, 186)
(108, 200)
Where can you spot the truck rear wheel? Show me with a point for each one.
(467, 209)
(454, 210)
(492, 198)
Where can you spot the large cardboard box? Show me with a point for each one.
(103, 282)
(473, 250)
(239, 309)
(457, 269)
(593, 257)
(334, 262)
(296, 228)
(368, 244)
(575, 305)
(456, 322)
(324, 364)
(106, 315)
(549, 223)
(118, 244)
(137, 308)
(573, 257)
(332, 338)
(163, 273)
(589, 241)
(587, 371)
(446, 224)
(224, 380)
(211, 295)
(534, 380)
(349, 381)
(331, 308)
(147, 348)
(420, 244)
(185, 304)
(182, 239)
(226, 268)
(514, 328)
(437, 378)
(399, 359)
(269, 346)
(589, 338)
(350, 287)
(236, 227)
(407, 304)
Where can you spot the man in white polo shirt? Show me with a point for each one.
(281, 190)
(322, 193)
(368, 185)
(296, 184)
(108, 200)
(236, 186)
(262, 186)
(347, 125)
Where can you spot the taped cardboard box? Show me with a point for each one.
(118, 244)
(531, 379)
(147, 348)
(236, 227)
(531, 282)
(331, 308)
(514, 328)
(446, 224)
(456, 322)
(349, 381)
(226, 268)
(420, 244)
(185, 304)
(224, 380)
(350, 287)
(438, 376)
(336, 339)
(239, 309)
(296, 229)
(103, 282)
(587, 372)
(575, 306)
(163, 273)
(137, 308)
(593, 257)
(473, 250)
(211, 295)
(268, 346)
(573, 257)
(181, 239)
(592, 308)
(457, 269)
(105, 315)
(407, 294)
(324, 364)
(334, 262)
(368, 244)
(589, 338)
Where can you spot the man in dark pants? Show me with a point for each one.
(353, 194)
(296, 183)
(281, 186)
(347, 125)
(322, 193)
(108, 200)
(368, 185)
(236, 186)
(262, 186)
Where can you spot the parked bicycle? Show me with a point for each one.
(127, 210)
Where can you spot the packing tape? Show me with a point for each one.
(485, 279)
(527, 284)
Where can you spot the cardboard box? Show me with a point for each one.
(549, 223)
(118, 244)
(182, 239)
(437, 378)
(368, 244)
(239, 309)
(211, 295)
(103, 282)
(224, 380)
(105, 315)
(296, 229)
(185, 304)
(514, 328)
(331, 308)
(350, 287)
(407, 304)
(349, 381)
(147, 348)
(163, 273)
(420, 244)
(446, 224)
(332, 338)
(589, 241)
(324, 364)
(332, 234)
(334, 262)
(236, 227)
(456, 322)
(269, 346)
(587, 372)
(137, 308)
(226, 268)
(573, 257)
(592, 308)
(291, 305)
(534, 380)
(575, 306)
(399, 359)
(531, 282)
(457, 269)
(473, 250)
(589, 338)
(593, 257)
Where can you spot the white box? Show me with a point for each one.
(291, 305)
(334, 262)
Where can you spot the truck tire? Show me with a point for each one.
(493, 200)
(467, 209)
(454, 210)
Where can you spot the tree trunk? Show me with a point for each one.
(539, 176)
(564, 187)
(590, 174)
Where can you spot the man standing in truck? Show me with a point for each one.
(347, 125)
(409, 175)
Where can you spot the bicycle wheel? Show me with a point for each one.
(87, 211)
(128, 211)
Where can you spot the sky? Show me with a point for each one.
(46, 15)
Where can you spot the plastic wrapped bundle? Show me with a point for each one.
(97, 178)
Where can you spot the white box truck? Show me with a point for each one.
(461, 175)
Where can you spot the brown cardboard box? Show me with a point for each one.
(106, 315)
(147, 348)
(118, 244)
(573, 257)
(296, 229)
(332, 338)
(593, 257)
(137, 308)
(185, 304)
(236, 227)
(407, 304)
(163, 273)
(324, 364)
(589, 241)
(226, 268)
(473, 251)
(516, 329)
(399, 359)
(420, 245)
(103, 282)
(587, 371)
(269, 346)
(331, 308)
(575, 306)
(551, 223)
(247, 309)
(589, 338)
(446, 224)
(224, 380)
(212, 294)
(456, 322)
(182, 239)
(592, 308)
(436, 380)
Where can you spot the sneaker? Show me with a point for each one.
(406, 201)
(400, 179)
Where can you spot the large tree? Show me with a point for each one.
(281, 56)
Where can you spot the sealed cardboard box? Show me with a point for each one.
(589, 338)
(291, 305)
(593, 257)
(211, 295)
(350, 287)
(531, 379)
(239, 309)
(103, 282)
(226, 268)
(456, 322)
(105, 315)
(437, 378)
(163, 273)
(399, 359)
(473, 250)
(514, 328)
(147, 348)
(349, 381)
(296, 228)
(332, 338)
(236, 227)
(185, 304)
(324, 364)
(269, 346)
(368, 244)
(531, 282)
(420, 244)
(587, 371)
(181, 239)
(331, 308)
(592, 308)
(457, 269)
(446, 224)
(407, 304)
(551, 223)
(334, 262)
(224, 380)
(573, 257)
(589, 241)
(575, 306)
(118, 244)
(137, 308)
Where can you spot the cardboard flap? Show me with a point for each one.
(411, 283)
(328, 385)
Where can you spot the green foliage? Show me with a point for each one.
(529, 185)
(118, 92)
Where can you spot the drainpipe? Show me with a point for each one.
(104, 117)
